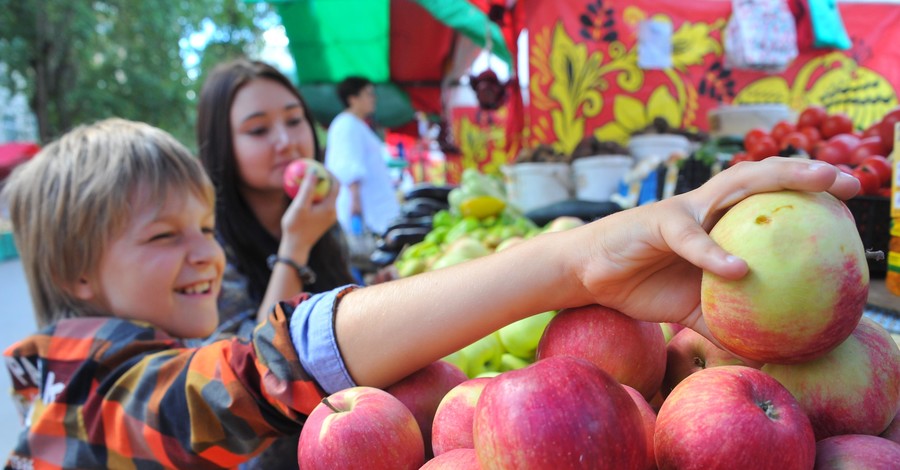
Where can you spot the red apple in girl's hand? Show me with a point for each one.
(293, 177)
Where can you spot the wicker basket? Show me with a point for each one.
(873, 220)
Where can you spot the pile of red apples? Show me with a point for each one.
(792, 377)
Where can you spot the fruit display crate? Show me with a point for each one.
(873, 220)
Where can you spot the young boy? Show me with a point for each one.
(114, 226)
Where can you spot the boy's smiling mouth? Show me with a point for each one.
(204, 287)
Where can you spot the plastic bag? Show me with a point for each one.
(761, 35)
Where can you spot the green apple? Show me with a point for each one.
(460, 250)
(562, 223)
(481, 356)
(808, 279)
(510, 362)
(521, 338)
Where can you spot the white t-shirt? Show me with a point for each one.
(353, 153)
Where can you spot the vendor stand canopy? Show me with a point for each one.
(405, 47)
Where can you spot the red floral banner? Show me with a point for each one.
(585, 79)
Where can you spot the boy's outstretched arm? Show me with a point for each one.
(646, 262)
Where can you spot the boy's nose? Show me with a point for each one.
(206, 250)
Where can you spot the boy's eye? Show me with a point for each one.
(295, 121)
(257, 131)
(161, 236)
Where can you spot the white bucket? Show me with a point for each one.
(736, 121)
(533, 185)
(597, 178)
(658, 147)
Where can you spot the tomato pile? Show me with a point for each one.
(830, 138)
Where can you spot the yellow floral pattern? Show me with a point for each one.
(585, 82)
(842, 86)
(483, 147)
(577, 79)
(632, 115)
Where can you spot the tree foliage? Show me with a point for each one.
(79, 61)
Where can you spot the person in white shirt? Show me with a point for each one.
(356, 157)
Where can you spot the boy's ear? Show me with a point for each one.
(82, 289)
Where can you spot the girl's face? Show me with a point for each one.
(164, 268)
(270, 130)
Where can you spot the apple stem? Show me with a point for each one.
(329, 405)
(875, 255)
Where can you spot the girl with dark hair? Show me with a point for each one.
(251, 123)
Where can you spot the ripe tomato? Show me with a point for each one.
(738, 157)
(868, 181)
(838, 149)
(753, 137)
(782, 129)
(812, 116)
(866, 147)
(762, 148)
(812, 134)
(873, 130)
(835, 124)
(880, 166)
(798, 141)
(886, 129)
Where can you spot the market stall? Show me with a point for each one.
(629, 103)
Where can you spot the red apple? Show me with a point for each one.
(361, 427)
(854, 389)
(631, 351)
(560, 412)
(856, 451)
(732, 417)
(892, 433)
(808, 279)
(296, 170)
(456, 459)
(648, 416)
(690, 352)
(452, 426)
(423, 391)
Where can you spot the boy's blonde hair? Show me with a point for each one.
(75, 196)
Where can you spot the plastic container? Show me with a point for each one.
(736, 121)
(598, 177)
(7, 247)
(658, 147)
(533, 185)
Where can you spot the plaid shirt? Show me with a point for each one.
(111, 393)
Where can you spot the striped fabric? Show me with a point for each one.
(111, 393)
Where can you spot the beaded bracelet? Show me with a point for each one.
(303, 272)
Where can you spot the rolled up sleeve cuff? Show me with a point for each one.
(312, 332)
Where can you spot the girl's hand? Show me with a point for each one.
(651, 269)
(304, 223)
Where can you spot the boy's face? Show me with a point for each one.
(165, 268)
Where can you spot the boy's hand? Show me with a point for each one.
(652, 271)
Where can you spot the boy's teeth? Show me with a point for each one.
(201, 288)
